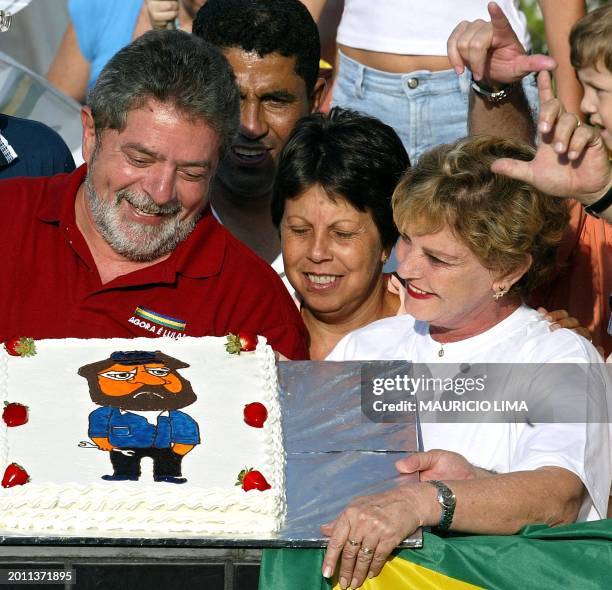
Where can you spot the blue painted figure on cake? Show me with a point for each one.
(140, 393)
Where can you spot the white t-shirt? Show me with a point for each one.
(416, 27)
(279, 266)
(523, 337)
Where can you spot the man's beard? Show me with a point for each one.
(148, 397)
(135, 241)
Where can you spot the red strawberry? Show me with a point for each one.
(15, 414)
(15, 475)
(241, 342)
(251, 479)
(255, 414)
(20, 346)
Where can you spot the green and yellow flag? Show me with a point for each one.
(577, 556)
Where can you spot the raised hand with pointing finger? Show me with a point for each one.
(498, 62)
(492, 51)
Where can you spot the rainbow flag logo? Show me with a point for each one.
(160, 319)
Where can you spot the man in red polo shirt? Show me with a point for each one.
(126, 246)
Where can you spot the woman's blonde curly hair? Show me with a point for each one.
(502, 221)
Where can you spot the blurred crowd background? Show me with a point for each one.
(536, 24)
(42, 24)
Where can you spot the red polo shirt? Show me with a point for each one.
(210, 285)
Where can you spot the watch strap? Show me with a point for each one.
(494, 95)
(601, 204)
(447, 500)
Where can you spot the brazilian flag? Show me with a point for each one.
(576, 556)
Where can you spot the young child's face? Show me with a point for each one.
(597, 101)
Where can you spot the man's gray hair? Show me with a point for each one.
(170, 67)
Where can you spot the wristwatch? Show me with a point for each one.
(448, 501)
(495, 95)
(600, 205)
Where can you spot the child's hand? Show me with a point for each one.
(162, 13)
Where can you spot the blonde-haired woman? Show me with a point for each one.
(473, 244)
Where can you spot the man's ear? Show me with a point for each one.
(89, 133)
(317, 95)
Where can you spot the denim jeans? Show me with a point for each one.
(425, 108)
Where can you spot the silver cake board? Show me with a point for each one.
(334, 453)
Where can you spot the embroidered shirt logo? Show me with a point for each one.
(158, 323)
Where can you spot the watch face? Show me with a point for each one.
(445, 495)
(448, 498)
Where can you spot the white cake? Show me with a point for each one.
(66, 493)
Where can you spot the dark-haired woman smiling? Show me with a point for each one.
(332, 203)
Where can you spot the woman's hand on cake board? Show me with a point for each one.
(440, 464)
(371, 527)
(382, 521)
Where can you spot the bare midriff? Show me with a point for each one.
(395, 63)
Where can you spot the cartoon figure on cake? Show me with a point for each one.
(140, 394)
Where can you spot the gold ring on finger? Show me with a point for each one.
(367, 551)
(578, 120)
(353, 542)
